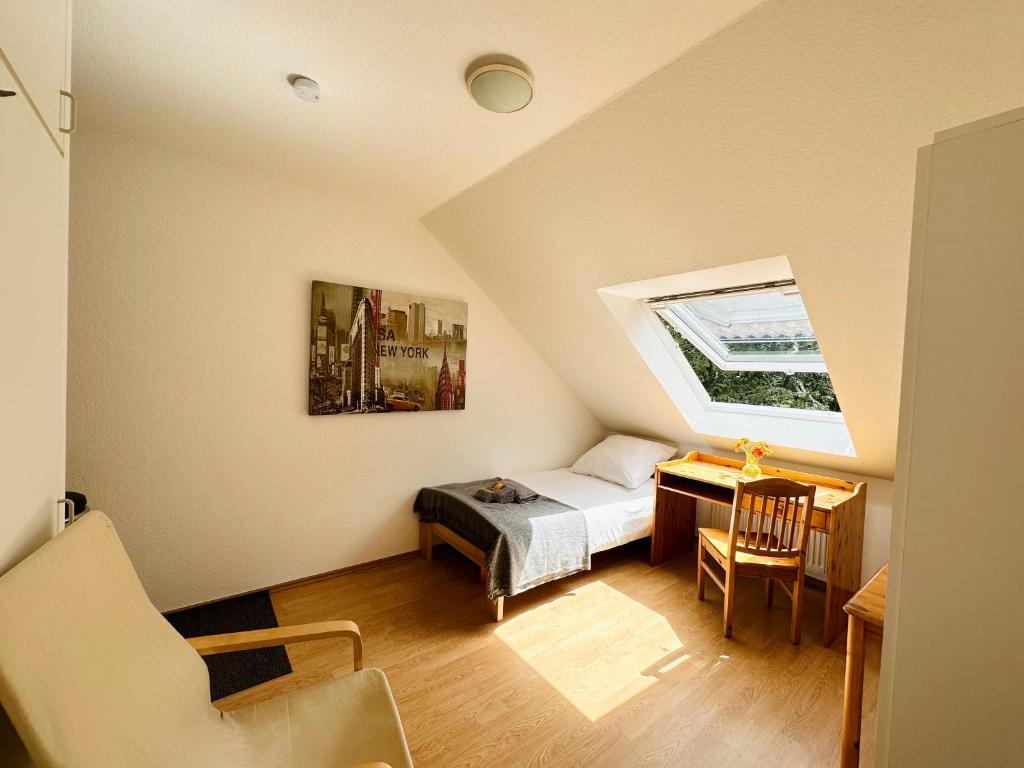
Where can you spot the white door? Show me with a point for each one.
(33, 326)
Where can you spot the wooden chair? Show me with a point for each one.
(92, 675)
(767, 539)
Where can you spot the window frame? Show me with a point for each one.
(629, 303)
(697, 335)
(774, 411)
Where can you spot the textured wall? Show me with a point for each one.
(187, 424)
(793, 131)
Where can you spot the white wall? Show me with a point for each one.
(952, 666)
(187, 424)
(793, 131)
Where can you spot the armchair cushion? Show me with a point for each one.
(92, 675)
(90, 672)
(340, 723)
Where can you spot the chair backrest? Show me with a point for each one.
(90, 672)
(771, 517)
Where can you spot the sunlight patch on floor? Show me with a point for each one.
(596, 646)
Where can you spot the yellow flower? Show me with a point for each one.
(760, 449)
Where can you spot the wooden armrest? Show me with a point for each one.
(373, 765)
(265, 638)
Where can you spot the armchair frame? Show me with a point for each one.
(265, 638)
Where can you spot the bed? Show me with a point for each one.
(588, 515)
(614, 515)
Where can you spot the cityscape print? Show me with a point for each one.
(374, 351)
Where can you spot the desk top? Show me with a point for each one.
(724, 473)
(869, 603)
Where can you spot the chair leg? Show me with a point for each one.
(700, 569)
(796, 620)
(769, 592)
(730, 599)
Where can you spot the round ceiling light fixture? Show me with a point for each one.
(305, 88)
(500, 84)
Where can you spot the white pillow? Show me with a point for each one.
(625, 460)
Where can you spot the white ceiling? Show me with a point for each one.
(395, 121)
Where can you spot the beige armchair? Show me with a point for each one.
(92, 675)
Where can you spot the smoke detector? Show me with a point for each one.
(305, 88)
(500, 84)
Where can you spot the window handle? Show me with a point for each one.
(4, 94)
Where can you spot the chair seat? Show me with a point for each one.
(719, 539)
(339, 723)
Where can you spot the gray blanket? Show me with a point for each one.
(526, 544)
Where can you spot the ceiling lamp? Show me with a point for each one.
(500, 86)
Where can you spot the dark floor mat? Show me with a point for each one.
(236, 671)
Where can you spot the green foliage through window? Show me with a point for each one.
(806, 391)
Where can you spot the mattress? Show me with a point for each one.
(615, 515)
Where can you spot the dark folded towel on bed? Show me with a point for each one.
(523, 494)
(496, 495)
(508, 492)
(525, 544)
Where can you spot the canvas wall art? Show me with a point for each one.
(374, 351)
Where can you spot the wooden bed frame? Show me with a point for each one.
(431, 531)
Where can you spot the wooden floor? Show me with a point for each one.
(620, 667)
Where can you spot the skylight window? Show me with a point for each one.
(747, 328)
(734, 349)
(750, 344)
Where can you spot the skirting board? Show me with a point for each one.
(811, 581)
(309, 579)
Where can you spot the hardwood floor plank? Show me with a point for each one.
(615, 668)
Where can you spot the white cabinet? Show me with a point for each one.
(33, 316)
(35, 37)
(950, 689)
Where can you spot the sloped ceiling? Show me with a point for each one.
(794, 131)
(395, 123)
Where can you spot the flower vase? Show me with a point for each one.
(752, 469)
(754, 451)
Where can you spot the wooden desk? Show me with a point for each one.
(867, 611)
(838, 511)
